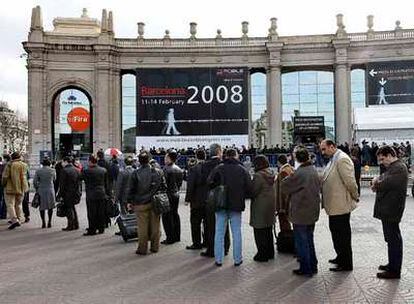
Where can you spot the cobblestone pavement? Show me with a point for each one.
(51, 266)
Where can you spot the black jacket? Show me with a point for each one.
(206, 168)
(391, 193)
(237, 179)
(69, 184)
(145, 182)
(174, 178)
(96, 179)
(195, 193)
(122, 184)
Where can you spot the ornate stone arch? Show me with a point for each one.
(75, 82)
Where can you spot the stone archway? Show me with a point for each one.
(71, 121)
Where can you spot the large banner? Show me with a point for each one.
(390, 82)
(188, 107)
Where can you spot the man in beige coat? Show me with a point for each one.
(339, 197)
(15, 185)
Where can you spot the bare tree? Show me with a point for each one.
(13, 129)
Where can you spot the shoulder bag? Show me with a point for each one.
(160, 202)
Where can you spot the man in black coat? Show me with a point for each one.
(174, 179)
(95, 178)
(102, 162)
(69, 191)
(195, 196)
(391, 190)
(216, 154)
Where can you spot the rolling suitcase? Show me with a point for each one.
(127, 224)
(285, 240)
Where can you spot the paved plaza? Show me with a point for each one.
(50, 266)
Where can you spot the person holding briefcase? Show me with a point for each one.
(236, 185)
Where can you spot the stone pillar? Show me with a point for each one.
(38, 131)
(343, 106)
(274, 106)
(115, 104)
(101, 112)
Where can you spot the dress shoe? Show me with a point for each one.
(340, 268)
(333, 261)
(67, 229)
(206, 254)
(153, 250)
(27, 219)
(101, 231)
(193, 247)
(43, 225)
(89, 233)
(218, 264)
(238, 264)
(140, 253)
(259, 258)
(167, 242)
(301, 273)
(14, 225)
(384, 267)
(388, 275)
(49, 225)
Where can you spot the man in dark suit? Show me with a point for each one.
(194, 195)
(95, 178)
(391, 189)
(174, 179)
(69, 192)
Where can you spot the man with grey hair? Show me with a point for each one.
(216, 154)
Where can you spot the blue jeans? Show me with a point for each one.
(392, 236)
(222, 217)
(305, 247)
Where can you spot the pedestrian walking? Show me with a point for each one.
(43, 182)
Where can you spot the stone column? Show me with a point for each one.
(115, 104)
(343, 107)
(36, 121)
(101, 110)
(274, 106)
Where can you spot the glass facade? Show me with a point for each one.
(128, 113)
(358, 89)
(307, 93)
(72, 123)
(258, 94)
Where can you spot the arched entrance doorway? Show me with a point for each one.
(72, 122)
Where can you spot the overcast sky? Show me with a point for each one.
(294, 18)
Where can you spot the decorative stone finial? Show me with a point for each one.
(167, 34)
(193, 30)
(36, 21)
(104, 22)
(84, 13)
(110, 23)
(341, 27)
(273, 29)
(398, 25)
(245, 29)
(370, 23)
(218, 36)
(141, 27)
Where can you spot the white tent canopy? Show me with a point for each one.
(385, 123)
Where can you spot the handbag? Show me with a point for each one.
(61, 210)
(36, 200)
(217, 197)
(111, 208)
(160, 201)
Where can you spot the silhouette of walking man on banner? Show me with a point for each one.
(171, 123)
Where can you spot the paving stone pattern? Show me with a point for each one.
(50, 266)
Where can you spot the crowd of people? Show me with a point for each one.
(218, 185)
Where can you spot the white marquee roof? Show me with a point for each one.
(399, 116)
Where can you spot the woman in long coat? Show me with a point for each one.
(43, 183)
(262, 209)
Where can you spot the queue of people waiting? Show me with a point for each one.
(217, 189)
